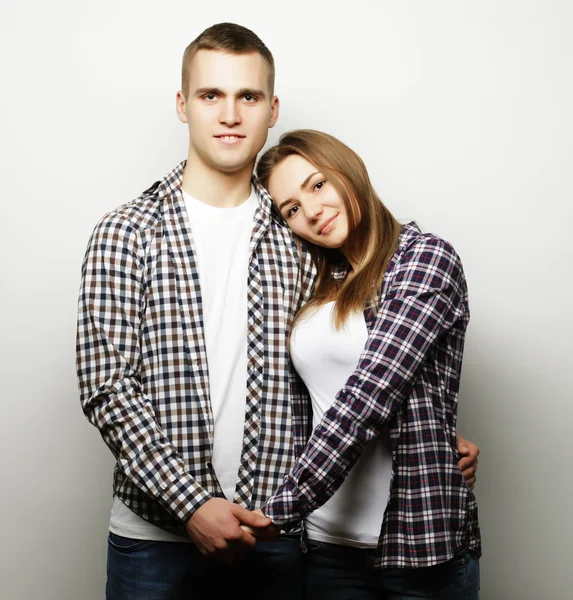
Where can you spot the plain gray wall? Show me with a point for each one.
(461, 111)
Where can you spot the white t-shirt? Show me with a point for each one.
(221, 238)
(325, 358)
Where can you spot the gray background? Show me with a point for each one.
(462, 113)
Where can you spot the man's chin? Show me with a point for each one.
(234, 167)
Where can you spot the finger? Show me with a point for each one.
(469, 449)
(245, 541)
(246, 517)
(249, 530)
(262, 534)
(469, 473)
(223, 553)
(465, 463)
(243, 544)
(248, 540)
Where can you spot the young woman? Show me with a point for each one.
(379, 348)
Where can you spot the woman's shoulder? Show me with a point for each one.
(414, 241)
(425, 257)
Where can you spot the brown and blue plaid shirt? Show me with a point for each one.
(142, 365)
(407, 377)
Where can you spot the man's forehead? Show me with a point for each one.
(215, 68)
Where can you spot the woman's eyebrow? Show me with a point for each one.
(282, 204)
(308, 179)
(304, 184)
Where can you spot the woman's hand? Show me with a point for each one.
(262, 534)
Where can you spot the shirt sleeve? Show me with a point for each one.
(427, 297)
(109, 356)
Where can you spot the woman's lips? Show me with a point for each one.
(327, 226)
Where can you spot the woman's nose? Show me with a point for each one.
(314, 210)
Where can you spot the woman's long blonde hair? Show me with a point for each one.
(373, 231)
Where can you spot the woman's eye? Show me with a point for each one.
(291, 212)
(319, 185)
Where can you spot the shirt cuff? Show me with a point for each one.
(183, 497)
(284, 508)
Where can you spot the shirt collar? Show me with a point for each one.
(170, 185)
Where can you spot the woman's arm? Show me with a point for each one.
(428, 297)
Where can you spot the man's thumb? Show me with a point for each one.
(246, 517)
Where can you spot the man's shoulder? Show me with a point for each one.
(140, 214)
(146, 211)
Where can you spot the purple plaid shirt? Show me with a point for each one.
(407, 377)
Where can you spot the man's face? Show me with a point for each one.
(228, 109)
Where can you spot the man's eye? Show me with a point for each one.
(209, 96)
(249, 98)
(291, 211)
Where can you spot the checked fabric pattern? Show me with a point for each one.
(142, 364)
(407, 377)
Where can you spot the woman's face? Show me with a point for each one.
(311, 205)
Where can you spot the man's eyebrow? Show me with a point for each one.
(209, 90)
(282, 204)
(218, 92)
(251, 92)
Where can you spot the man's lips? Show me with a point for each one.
(327, 226)
(230, 138)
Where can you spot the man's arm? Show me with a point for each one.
(109, 356)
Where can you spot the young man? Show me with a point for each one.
(186, 301)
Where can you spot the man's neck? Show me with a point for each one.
(224, 190)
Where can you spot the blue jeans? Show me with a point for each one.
(147, 570)
(335, 572)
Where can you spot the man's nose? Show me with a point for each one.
(230, 114)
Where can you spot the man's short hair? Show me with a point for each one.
(226, 37)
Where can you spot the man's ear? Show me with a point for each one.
(274, 111)
(181, 106)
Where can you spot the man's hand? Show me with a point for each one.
(469, 461)
(264, 534)
(215, 529)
